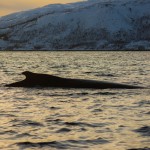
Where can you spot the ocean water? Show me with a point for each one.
(74, 119)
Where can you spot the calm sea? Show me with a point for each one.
(74, 119)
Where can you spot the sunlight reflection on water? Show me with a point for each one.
(52, 118)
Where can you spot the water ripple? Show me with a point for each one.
(83, 124)
(145, 148)
(56, 118)
(63, 144)
(20, 123)
(145, 130)
(63, 130)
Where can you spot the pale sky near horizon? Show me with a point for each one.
(11, 6)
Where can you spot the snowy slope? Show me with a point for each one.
(93, 24)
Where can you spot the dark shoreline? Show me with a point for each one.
(74, 50)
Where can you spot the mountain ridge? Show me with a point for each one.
(88, 25)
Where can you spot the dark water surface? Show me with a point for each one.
(49, 118)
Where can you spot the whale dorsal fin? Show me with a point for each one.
(28, 74)
(31, 75)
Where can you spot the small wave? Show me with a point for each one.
(83, 124)
(148, 113)
(77, 94)
(142, 103)
(97, 110)
(54, 108)
(53, 144)
(10, 132)
(93, 141)
(146, 148)
(145, 130)
(7, 115)
(31, 123)
(64, 144)
(104, 75)
(104, 93)
(53, 120)
(83, 93)
(65, 94)
(63, 130)
(99, 74)
(23, 135)
(27, 123)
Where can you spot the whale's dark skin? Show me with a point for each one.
(45, 80)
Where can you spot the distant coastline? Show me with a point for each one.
(75, 50)
(89, 25)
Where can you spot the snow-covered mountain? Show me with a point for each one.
(88, 25)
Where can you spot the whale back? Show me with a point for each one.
(46, 80)
(36, 79)
(36, 76)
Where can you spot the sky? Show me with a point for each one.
(11, 6)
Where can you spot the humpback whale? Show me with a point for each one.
(45, 80)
